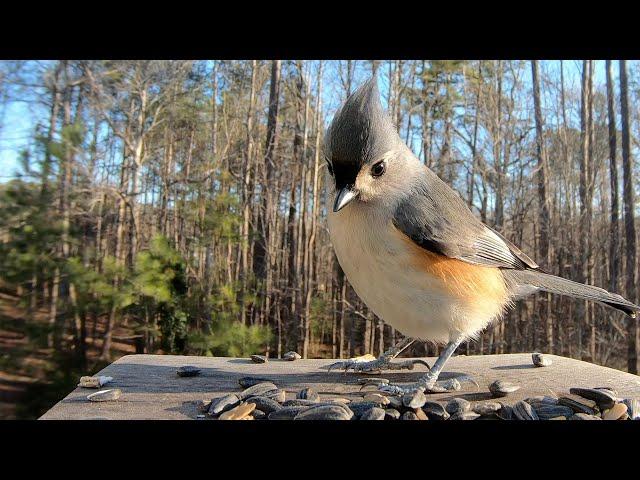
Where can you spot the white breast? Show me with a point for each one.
(379, 267)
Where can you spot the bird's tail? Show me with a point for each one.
(537, 280)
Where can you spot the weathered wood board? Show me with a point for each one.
(152, 390)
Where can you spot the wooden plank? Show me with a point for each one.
(152, 390)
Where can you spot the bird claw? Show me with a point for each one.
(340, 365)
(427, 385)
(421, 362)
(376, 382)
(392, 389)
(373, 366)
(363, 365)
(439, 387)
(466, 378)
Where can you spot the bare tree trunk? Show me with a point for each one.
(52, 337)
(543, 207)
(261, 259)
(105, 353)
(614, 228)
(138, 159)
(310, 250)
(247, 193)
(79, 329)
(629, 221)
(585, 211)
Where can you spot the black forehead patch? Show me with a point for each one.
(360, 133)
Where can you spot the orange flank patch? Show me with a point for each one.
(474, 283)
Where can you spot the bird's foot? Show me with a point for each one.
(369, 364)
(427, 384)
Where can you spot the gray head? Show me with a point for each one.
(360, 142)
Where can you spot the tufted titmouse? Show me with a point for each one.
(412, 249)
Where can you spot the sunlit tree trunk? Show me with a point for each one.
(629, 221)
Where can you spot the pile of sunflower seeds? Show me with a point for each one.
(261, 399)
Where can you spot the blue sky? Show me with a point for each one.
(17, 119)
(16, 131)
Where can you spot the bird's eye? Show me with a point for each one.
(378, 169)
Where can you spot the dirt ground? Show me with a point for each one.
(26, 363)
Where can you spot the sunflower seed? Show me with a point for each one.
(633, 408)
(579, 404)
(258, 359)
(616, 412)
(374, 413)
(239, 412)
(557, 418)
(377, 398)
(343, 401)
(506, 413)
(299, 402)
(94, 382)
(487, 408)
(188, 371)
(203, 405)
(414, 399)
(360, 406)
(350, 413)
(391, 414)
(258, 414)
(266, 404)
(395, 402)
(583, 416)
(308, 394)
(278, 395)
(603, 398)
(105, 395)
(465, 416)
(541, 400)
(523, 411)
(420, 414)
(539, 360)
(547, 412)
(500, 388)
(435, 411)
(324, 412)
(457, 405)
(608, 390)
(291, 356)
(409, 416)
(246, 382)
(257, 390)
(286, 413)
(222, 404)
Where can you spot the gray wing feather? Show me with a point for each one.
(437, 219)
(562, 286)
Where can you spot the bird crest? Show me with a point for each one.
(361, 132)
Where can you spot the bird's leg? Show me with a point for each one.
(383, 362)
(429, 382)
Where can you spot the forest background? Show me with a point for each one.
(180, 206)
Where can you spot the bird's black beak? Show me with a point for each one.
(345, 196)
